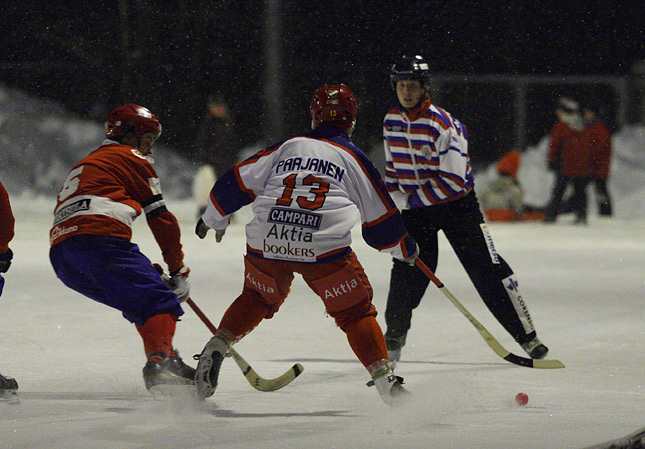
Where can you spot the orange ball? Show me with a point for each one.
(522, 398)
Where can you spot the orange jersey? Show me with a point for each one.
(7, 221)
(106, 191)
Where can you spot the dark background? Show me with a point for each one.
(170, 56)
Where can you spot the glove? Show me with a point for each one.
(412, 260)
(179, 283)
(5, 260)
(202, 229)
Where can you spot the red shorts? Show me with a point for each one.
(342, 284)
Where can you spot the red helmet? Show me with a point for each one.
(334, 104)
(131, 119)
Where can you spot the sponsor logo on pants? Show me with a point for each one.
(489, 243)
(512, 288)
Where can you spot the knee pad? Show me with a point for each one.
(342, 289)
(346, 294)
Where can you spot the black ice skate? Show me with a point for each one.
(8, 390)
(535, 349)
(164, 370)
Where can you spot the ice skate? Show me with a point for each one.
(388, 385)
(164, 370)
(535, 349)
(8, 390)
(210, 361)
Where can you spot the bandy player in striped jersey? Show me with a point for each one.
(91, 251)
(428, 174)
(306, 194)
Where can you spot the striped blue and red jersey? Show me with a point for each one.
(426, 156)
(307, 193)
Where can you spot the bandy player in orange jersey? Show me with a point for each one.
(91, 250)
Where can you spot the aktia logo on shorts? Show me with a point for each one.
(259, 286)
(342, 289)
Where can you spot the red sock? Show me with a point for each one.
(366, 339)
(157, 333)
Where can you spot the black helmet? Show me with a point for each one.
(411, 68)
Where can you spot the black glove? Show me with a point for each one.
(202, 229)
(5, 261)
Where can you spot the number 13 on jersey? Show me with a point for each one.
(316, 193)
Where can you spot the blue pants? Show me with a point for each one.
(1, 284)
(114, 272)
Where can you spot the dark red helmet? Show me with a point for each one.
(131, 119)
(334, 104)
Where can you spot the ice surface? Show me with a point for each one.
(79, 363)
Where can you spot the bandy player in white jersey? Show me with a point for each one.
(307, 193)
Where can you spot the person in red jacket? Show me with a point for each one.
(597, 140)
(8, 385)
(569, 158)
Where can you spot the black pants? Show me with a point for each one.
(460, 221)
(602, 195)
(578, 201)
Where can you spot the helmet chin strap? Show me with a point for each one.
(350, 131)
(421, 100)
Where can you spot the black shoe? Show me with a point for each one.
(8, 390)
(580, 221)
(8, 383)
(163, 370)
(175, 364)
(605, 210)
(535, 349)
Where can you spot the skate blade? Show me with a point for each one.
(170, 392)
(9, 397)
